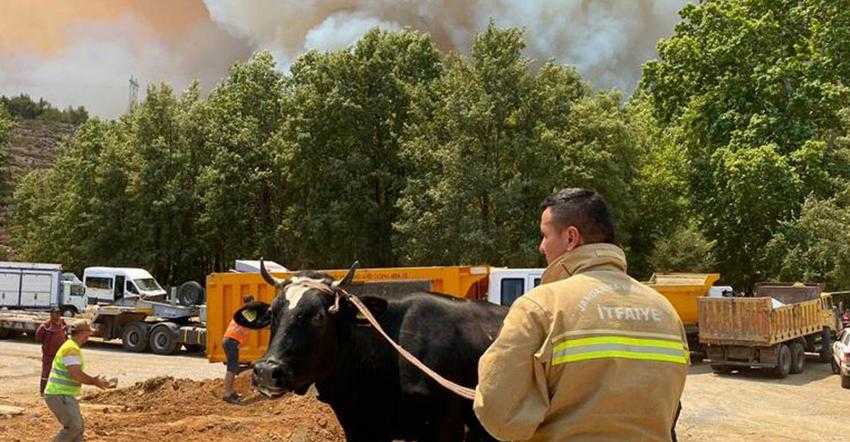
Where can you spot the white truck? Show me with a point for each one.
(133, 307)
(120, 285)
(37, 286)
(506, 285)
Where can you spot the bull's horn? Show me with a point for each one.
(344, 282)
(271, 280)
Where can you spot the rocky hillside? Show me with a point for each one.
(32, 145)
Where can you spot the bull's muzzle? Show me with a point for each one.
(267, 378)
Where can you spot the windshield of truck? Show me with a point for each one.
(147, 285)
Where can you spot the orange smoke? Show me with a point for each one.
(28, 26)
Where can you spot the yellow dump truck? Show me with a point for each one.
(684, 290)
(773, 330)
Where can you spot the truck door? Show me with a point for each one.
(119, 287)
(36, 289)
(10, 288)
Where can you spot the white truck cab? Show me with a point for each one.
(506, 285)
(112, 284)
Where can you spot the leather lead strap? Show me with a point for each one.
(464, 392)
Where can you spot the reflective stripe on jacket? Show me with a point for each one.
(591, 354)
(60, 381)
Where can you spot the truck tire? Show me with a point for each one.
(845, 382)
(190, 293)
(134, 337)
(5, 334)
(798, 358)
(721, 369)
(69, 311)
(783, 362)
(164, 339)
(825, 345)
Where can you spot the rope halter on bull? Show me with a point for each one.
(336, 290)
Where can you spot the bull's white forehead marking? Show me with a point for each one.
(295, 290)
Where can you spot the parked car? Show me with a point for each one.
(841, 357)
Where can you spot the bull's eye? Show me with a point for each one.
(318, 318)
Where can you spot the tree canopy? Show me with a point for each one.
(24, 107)
(732, 156)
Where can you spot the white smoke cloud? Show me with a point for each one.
(343, 29)
(93, 70)
(607, 40)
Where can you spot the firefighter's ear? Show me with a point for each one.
(254, 315)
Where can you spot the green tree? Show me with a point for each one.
(662, 197)
(5, 128)
(684, 250)
(76, 211)
(753, 91)
(816, 246)
(22, 106)
(340, 143)
(239, 180)
(490, 139)
(757, 189)
(165, 192)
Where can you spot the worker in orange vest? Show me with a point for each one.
(234, 337)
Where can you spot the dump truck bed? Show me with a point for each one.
(683, 290)
(754, 321)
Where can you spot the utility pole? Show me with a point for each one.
(134, 93)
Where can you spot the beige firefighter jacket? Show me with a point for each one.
(590, 355)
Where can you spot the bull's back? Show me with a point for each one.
(447, 335)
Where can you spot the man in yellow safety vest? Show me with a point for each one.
(63, 384)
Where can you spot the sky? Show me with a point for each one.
(83, 52)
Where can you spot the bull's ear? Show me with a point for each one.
(254, 315)
(376, 306)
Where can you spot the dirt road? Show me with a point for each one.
(20, 362)
(753, 406)
(737, 407)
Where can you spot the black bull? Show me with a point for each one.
(375, 393)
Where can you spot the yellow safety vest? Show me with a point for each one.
(60, 381)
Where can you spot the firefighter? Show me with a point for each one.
(590, 354)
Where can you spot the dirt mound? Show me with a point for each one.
(168, 409)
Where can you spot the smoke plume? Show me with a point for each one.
(82, 52)
(607, 40)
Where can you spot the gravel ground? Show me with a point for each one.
(738, 407)
(20, 363)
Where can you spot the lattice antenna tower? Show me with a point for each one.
(134, 93)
